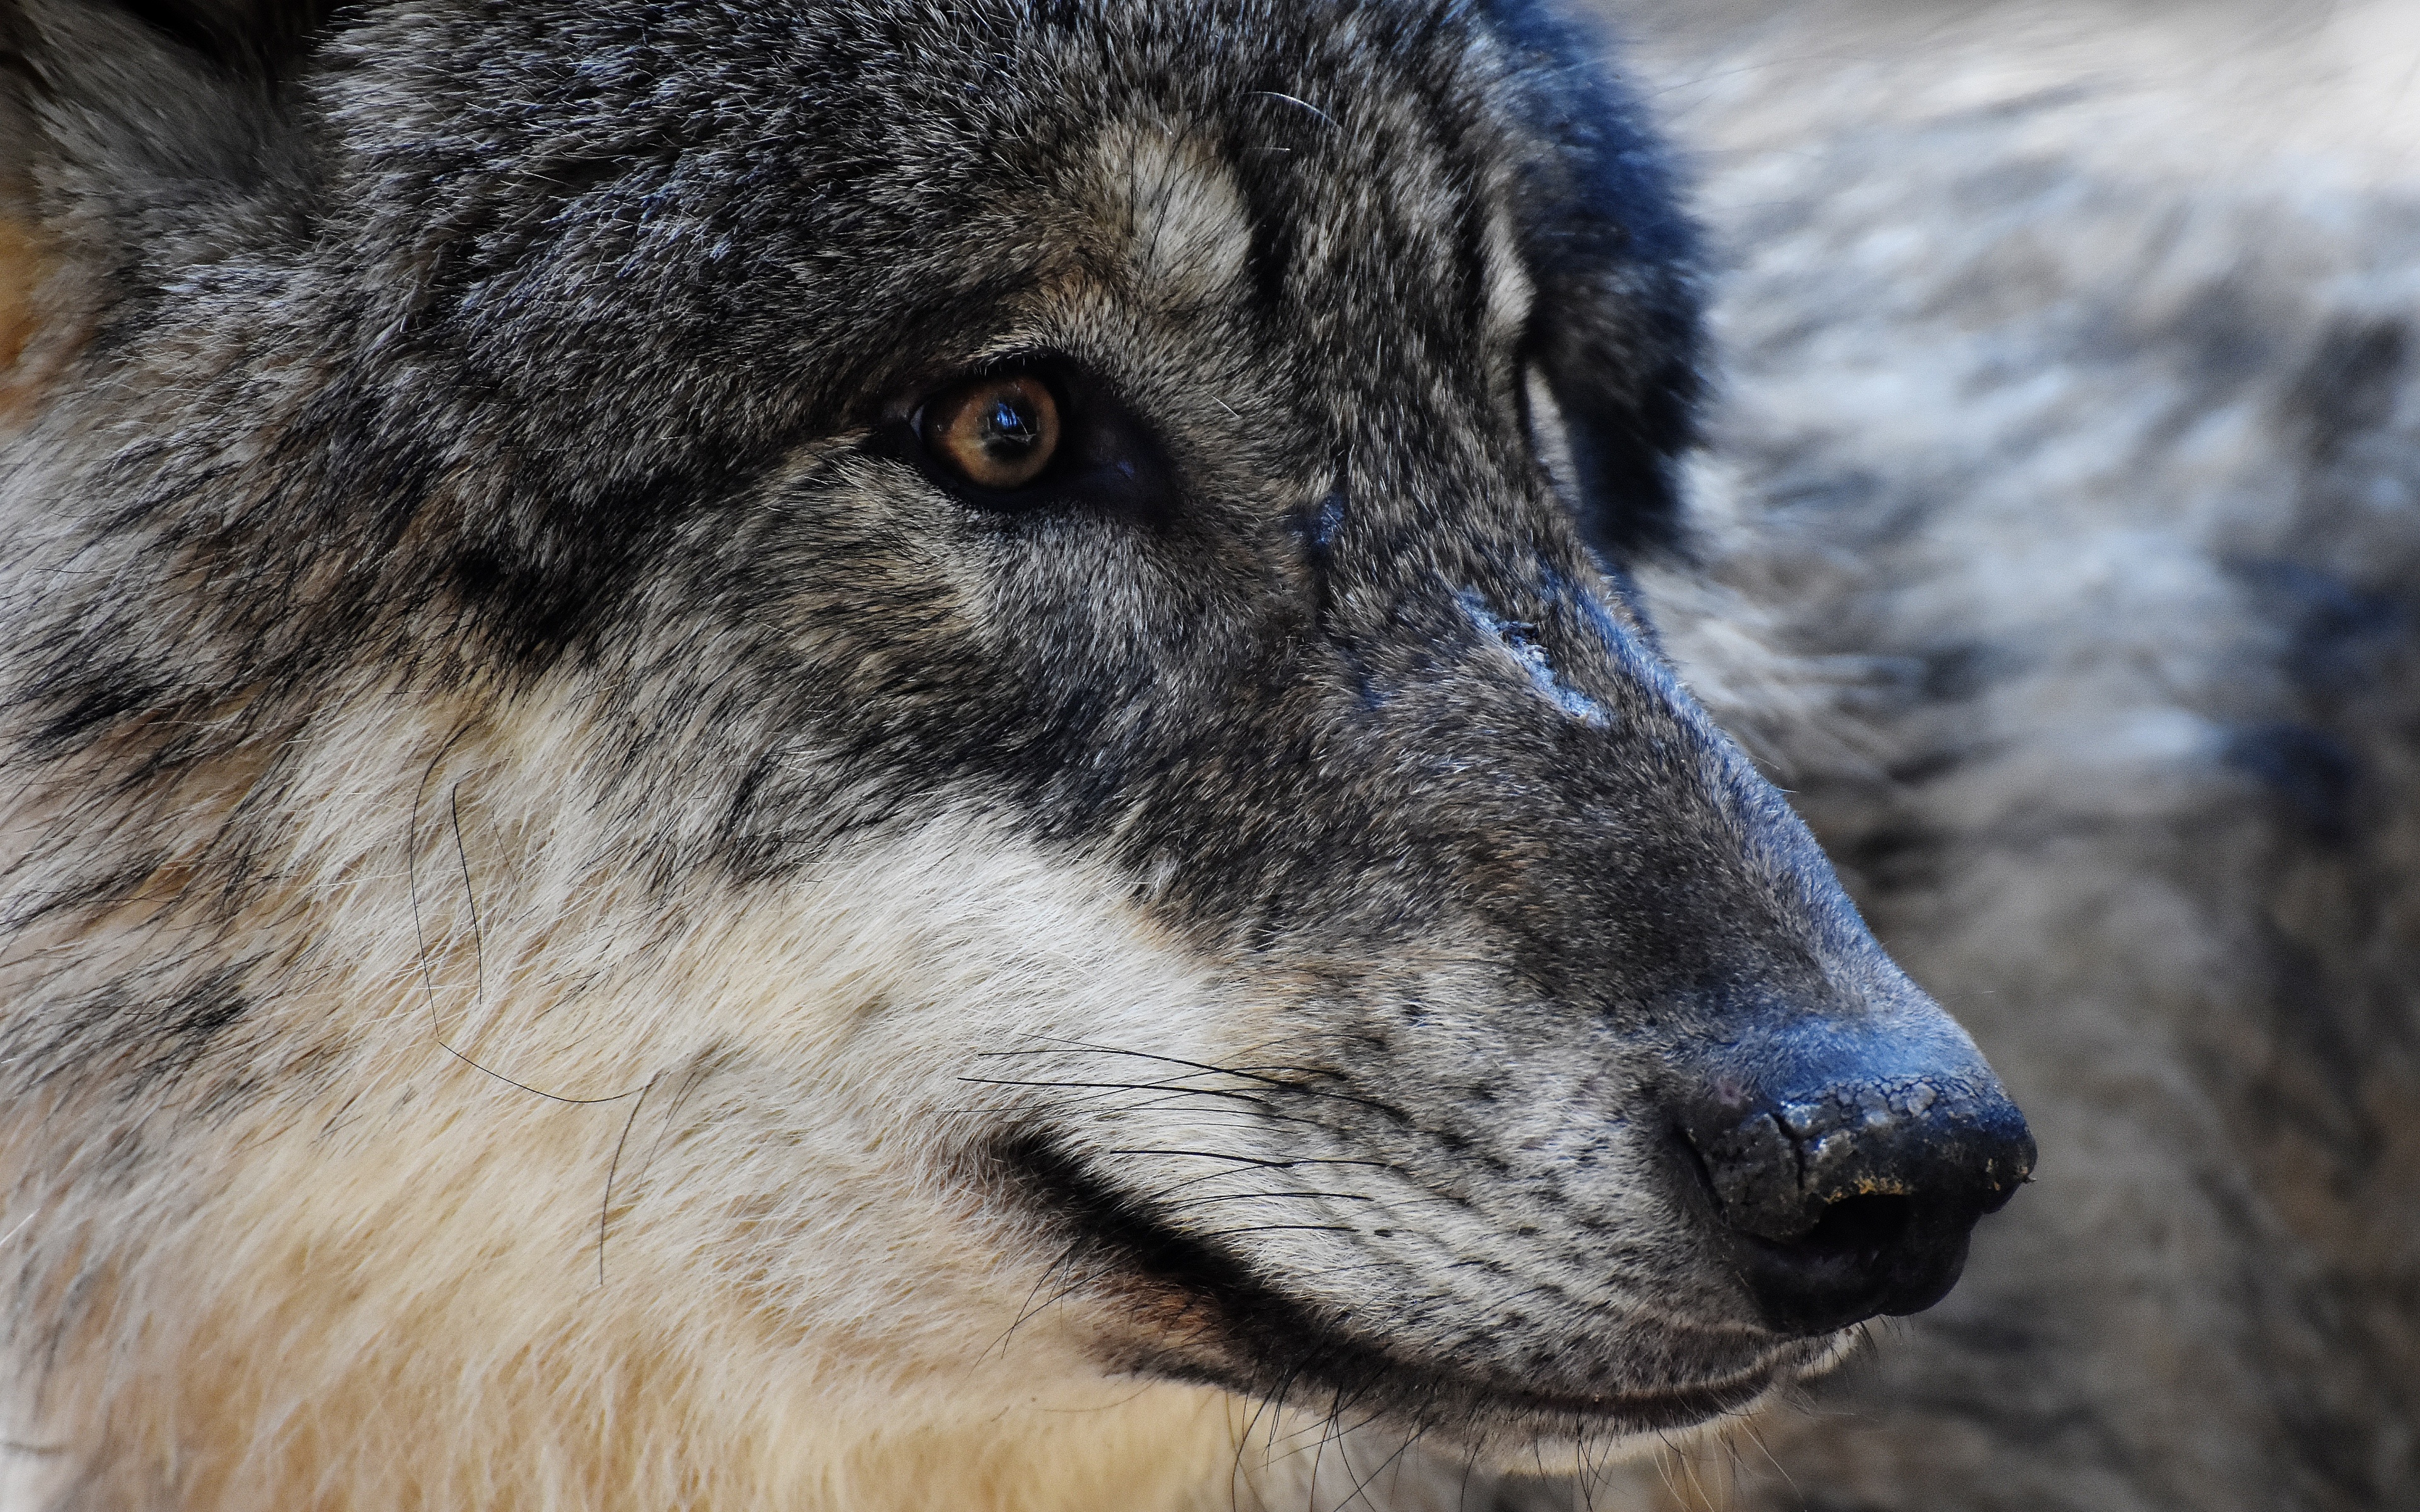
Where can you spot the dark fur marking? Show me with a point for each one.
(256, 38)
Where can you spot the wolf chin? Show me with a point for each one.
(868, 755)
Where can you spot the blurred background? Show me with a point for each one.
(2064, 538)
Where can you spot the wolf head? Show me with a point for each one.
(1005, 629)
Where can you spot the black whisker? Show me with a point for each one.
(420, 937)
(605, 1210)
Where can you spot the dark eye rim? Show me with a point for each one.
(1108, 460)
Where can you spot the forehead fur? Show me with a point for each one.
(734, 148)
(576, 280)
(1176, 211)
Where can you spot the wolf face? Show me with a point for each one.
(979, 658)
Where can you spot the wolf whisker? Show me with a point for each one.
(605, 1208)
(1159, 1203)
(427, 977)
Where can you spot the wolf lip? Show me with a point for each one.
(1627, 1412)
(1243, 1334)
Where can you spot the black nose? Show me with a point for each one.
(1852, 1189)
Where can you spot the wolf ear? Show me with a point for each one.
(257, 39)
(239, 38)
(134, 134)
(91, 85)
(1616, 263)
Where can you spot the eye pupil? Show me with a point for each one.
(995, 432)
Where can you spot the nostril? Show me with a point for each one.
(1865, 1256)
(1860, 1230)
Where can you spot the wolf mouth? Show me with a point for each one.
(1211, 1318)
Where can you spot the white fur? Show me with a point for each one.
(778, 1273)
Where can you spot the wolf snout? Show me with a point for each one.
(1853, 1191)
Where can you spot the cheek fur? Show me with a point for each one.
(685, 1137)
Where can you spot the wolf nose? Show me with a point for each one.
(1858, 1196)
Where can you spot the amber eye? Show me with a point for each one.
(997, 432)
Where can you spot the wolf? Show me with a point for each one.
(867, 754)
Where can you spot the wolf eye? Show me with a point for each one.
(995, 432)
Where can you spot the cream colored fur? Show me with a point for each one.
(390, 1221)
(778, 1301)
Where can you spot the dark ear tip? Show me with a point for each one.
(246, 37)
